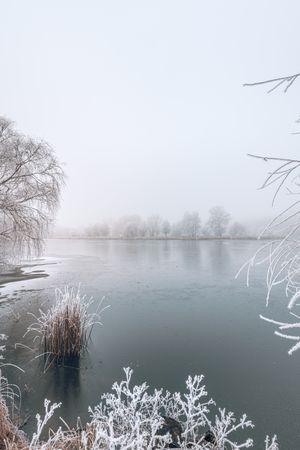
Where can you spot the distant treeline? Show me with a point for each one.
(218, 225)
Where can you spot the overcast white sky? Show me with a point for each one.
(143, 100)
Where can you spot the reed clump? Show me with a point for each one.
(10, 436)
(65, 329)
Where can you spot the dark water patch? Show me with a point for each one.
(20, 275)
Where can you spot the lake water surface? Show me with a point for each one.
(176, 309)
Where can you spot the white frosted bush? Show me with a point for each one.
(131, 418)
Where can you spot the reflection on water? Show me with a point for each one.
(176, 310)
(66, 380)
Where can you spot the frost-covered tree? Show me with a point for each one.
(104, 229)
(31, 179)
(237, 230)
(154, 224)
(166, 228)
(128, 226)
(131, 230)
(176, 230)
(97, 230)
(142, 229)
(190, 224)
(218, 221)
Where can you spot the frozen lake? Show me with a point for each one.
(176, 309)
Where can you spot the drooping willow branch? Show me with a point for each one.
(281, 175)
(282, 255)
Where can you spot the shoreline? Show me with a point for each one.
(98, 238)
(19, 273)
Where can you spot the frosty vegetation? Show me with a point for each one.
(282, 256)
(10, 436)
(189, 227)
(131, 418)
(65, 329)
(30, 186)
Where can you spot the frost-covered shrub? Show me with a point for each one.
(131, 418)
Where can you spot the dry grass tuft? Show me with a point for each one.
(10, 437)
(66, 328)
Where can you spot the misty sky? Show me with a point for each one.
(143, 100)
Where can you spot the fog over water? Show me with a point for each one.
(143, 101)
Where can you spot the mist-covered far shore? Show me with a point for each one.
(219, 225)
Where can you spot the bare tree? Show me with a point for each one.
(218, 221)
(31, 179)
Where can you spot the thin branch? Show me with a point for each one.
(290, 79)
